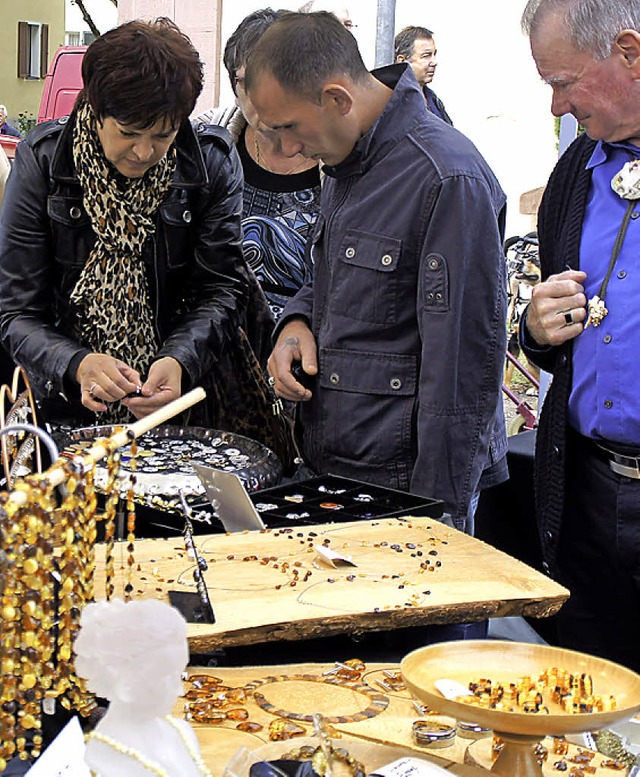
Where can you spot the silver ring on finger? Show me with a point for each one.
(568, 317)
(271, 381)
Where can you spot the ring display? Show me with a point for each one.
(165, 455)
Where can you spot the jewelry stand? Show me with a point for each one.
(505, 662)
(38, 635)
(17, 454)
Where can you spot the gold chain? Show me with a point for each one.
(263, 162)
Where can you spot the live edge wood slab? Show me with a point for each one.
(272, 585)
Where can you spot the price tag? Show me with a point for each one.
(65, 755)
(410, 767)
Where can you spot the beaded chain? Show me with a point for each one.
(111, 507)
(131, 520)
(36, 639)
(27, 609)
(78, 526)
(148, 763)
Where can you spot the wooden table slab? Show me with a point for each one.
(375, 742)
(269, 585)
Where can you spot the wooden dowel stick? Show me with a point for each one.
(56, 475)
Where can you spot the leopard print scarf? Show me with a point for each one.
(111, 296)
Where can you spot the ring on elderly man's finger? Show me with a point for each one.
(568, 317)
(271, 381)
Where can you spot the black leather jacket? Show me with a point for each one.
(197, 275)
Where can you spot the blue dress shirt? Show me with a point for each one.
(605, 395)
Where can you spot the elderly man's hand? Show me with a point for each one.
(296, 343)
(102, 379)
(163, 385)
(557, 310)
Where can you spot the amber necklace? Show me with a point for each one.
(263, 162)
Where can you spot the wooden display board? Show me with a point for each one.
(375, 740)
(272, 585)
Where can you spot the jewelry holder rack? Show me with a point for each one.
(17, 449)
(46, 580)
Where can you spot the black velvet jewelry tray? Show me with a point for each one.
(332, 498)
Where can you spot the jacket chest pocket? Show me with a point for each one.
(366, 278)
(176, 233)
(73, 236)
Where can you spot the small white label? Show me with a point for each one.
(332, 558)
(410, 767)
(65, 755)
(451, 689)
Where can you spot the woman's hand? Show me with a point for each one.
(104, 379)
(163, 385)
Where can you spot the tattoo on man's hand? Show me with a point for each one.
(294, 342)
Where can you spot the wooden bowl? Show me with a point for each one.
(505, 662)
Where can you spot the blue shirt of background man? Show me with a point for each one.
(605, 400)
(7, 129)
(431, 103)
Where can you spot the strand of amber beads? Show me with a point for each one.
(27, 617)
(131, 520)
(113, 497)
(78, 524)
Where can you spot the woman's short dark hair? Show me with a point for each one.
(142, 72)
(245, 37)
(305, 50)
(405, 40)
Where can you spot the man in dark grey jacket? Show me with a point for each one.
(401, 336)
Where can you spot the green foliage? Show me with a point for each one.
(26, 122)
(556, 124)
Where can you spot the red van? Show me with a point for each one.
(9, 143)
(62, 83)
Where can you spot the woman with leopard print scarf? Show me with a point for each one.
(121, 269)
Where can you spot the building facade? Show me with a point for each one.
(30, 33)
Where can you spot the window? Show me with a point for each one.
(73, 39)
(87, 38)
(33, 49)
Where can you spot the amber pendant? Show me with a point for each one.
(597, 311)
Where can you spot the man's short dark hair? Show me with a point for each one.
(405, 40)
(244, 38)
(142, 72)
(303, 51)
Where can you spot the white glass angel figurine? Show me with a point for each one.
(133, 654)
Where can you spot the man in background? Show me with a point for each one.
(5, 128)
(416, 46)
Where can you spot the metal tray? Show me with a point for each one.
(163, 467)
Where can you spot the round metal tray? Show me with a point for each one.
(163, 467)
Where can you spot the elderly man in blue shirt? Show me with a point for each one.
(583, 323)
